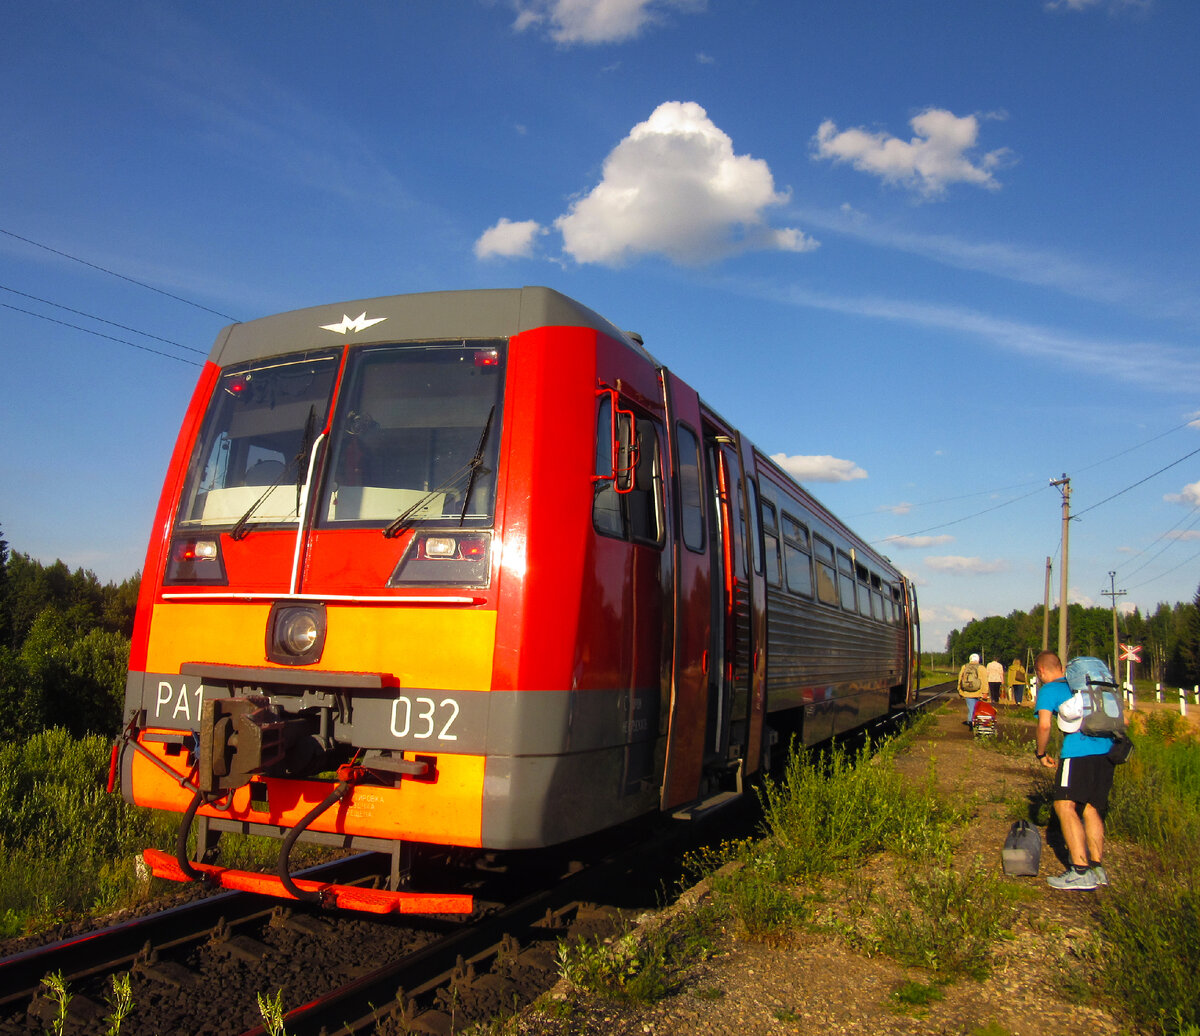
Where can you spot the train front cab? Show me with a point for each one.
(513, 651)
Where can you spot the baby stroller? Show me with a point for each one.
(985, 719)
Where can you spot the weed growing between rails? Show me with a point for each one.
(120, 1002)
(640, 966)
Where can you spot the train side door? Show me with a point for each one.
(691, 663)
(728, 726)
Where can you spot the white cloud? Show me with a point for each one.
(909, 542)
(819, 469)
(936, 156)
(674, 187)
(508, 239)
(1083, 5)
(1190, 494)
(953, 564)
(902, 508)
(1184, 534)
(595, 21)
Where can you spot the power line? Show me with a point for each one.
(92, 316)
(1172, 571)
(964, 518)
(98, 334)
(1139, 482)
(1162, 535)
(113, 273)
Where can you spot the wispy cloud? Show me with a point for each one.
(1145, 363)
(956, 565)
(509, 240)
(596, 21)
(918, 542)
(1045, 267)
(1190, 494)
(819, 468)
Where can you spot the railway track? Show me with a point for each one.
(200, 967)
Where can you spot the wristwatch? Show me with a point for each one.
(1040, 755)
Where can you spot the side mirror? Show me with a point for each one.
(623, 438)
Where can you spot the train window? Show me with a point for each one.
(252, 456)
(796, 563)
(864, 590)
(826, 574)
(691, 502)
(636, 515)
(846, 581)
(770, 543)
(756, 533)
(416, 436)
(876, 605)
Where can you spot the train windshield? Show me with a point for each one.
(416, 436)
(252, 459)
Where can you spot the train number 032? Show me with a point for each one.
(423, 718)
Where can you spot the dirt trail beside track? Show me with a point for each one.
(815, 983)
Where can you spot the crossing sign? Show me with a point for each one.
(1131, 652)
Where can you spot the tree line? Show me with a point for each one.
(64, 647)
(1170, 638)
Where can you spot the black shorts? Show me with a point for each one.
(1085, 778)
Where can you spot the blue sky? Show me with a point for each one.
(931, 254)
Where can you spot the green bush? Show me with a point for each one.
(829, 813)
(66, 846)
(1151, 933)
(1156, 795)
(954, 921)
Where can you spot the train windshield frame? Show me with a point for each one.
(416, 436)
(251, 461)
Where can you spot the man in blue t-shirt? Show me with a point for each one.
(1082, 780)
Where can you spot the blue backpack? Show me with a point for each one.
(1103, 714)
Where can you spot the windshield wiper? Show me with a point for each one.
(476, 463)
(471, 468)
(242, 529)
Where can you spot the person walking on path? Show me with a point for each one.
(972, 685)
(995, 675)
(1082, 780)
(1016, 680)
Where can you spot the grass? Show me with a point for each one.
(825, 819)
(68, 849)
(1150, 925)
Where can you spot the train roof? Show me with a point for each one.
(434, 315)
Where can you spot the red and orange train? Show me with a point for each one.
(473, 569)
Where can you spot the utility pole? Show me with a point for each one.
(1064, 486)
(1046, 612)
(1114, 593)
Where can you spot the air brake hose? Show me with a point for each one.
(181, 853)
(338, 792)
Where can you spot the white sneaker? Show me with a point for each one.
(1100, 874)
(1072, 879)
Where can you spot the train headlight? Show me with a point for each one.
(296, 633)
(195, 560)
(445, 559)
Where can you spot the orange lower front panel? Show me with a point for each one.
(446, 811)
